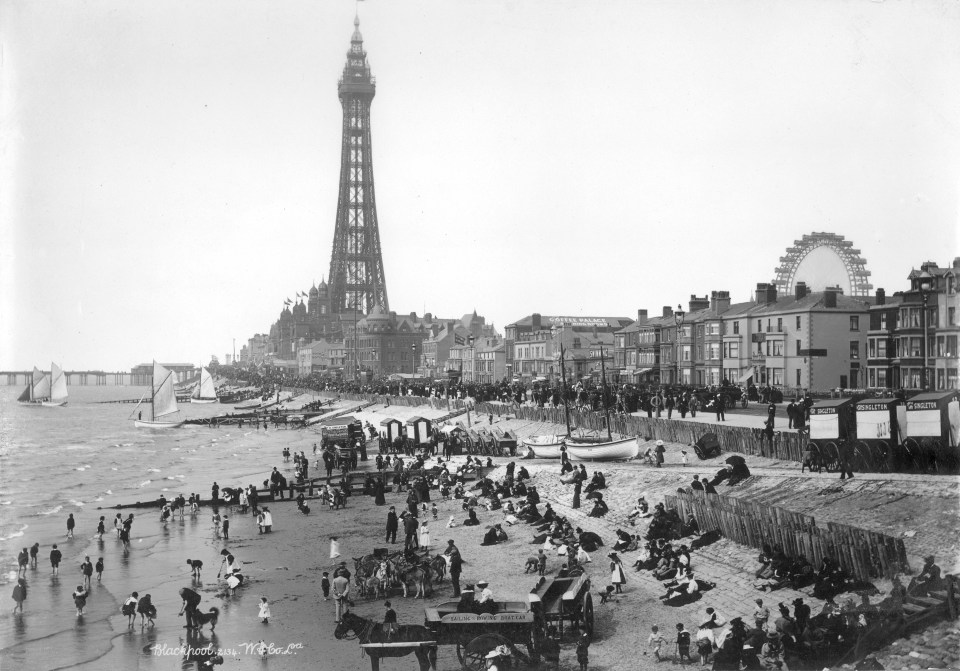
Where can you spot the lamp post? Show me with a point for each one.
(678, 318)
(413, 358)
(926, 287)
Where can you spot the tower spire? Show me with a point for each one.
(357, 280)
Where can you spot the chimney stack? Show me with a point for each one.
(766, 293)
(641, 315)
(535, 321)
(719, 301)
(800, 290)
(881, 297)
(697, 303)
(830, 297)
(667, 311)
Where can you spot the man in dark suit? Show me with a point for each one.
(696, 484)
(456, 565)
(392, 525)
(721, 404)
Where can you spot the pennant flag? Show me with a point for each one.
(458, 340)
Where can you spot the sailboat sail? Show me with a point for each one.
(164, 396)
(205, 390)
(58, 388)
(41, 385)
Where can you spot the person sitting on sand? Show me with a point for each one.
(471, 520)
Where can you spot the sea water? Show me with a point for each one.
(88, 455)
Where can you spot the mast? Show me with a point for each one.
(563, 386)
(603, 395)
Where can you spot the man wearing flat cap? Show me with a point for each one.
(456, 565)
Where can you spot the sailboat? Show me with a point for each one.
(549, 446)
(58, 387)
(163, 402)
(38, 389)
(204, 392)
(589, 449)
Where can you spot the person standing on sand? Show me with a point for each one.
(129, 608)
(215, 493)
(101, 528)
(80, 599)
(99, 568)
(55, 557)
(392, 525)
(341, 592)
(34, 551)
(71, 523)
(264, 610)
(191, 602)
(118, 524)
(226, 528)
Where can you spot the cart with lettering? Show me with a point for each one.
(567, 600)
(514, 624)
(932, 422)
(878, 432)
(833, 425)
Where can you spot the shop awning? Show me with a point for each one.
(746, 376)
(641, 371)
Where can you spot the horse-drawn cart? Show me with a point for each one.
(513, 624)
(567, 599)
(833, 427)
(878, 431)
(932, 425)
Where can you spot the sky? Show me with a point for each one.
(169, 170)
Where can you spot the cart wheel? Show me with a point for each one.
(862, 457)
(831, 454)
(933, 451)
(473, 655)
(912, 454)
(588, 614)
(817, 453)
(882, 456)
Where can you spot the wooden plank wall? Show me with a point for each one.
(787, 446)
(754, 524)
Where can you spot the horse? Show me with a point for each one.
(368, 631)
(419, 575)
(439, 564)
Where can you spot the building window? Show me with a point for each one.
(951, 348)
(798, 377)
(883, 321)
(798, 347)
(779, 324)
(777, 376)
(769, 329)
(736, 328)
(777, 348)
(882, 348)
(871, 349)
(759, 325)
(951, 316)
(854, 350)
(731, 350)
(854, 323)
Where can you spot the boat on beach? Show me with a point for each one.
(616, 450)
(163, 402)
(45, 390)
(205, 391)
(544, 446)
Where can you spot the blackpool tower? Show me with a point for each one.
(357, 281)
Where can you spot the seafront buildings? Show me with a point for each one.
(785, 336)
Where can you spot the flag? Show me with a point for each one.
(458, 340)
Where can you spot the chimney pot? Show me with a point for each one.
(881, 297)
(667, 311)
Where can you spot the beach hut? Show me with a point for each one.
(420, 427)
(393, 428)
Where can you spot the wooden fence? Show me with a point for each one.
(863, 554)
(787, 446)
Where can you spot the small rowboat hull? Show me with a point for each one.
(53, 404)
(544, 447)
(144, 424)
(203, 400)
(616, 450)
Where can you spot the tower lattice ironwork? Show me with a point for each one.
(357, 280)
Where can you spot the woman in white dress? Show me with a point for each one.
(424, 536)
(617, 577)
